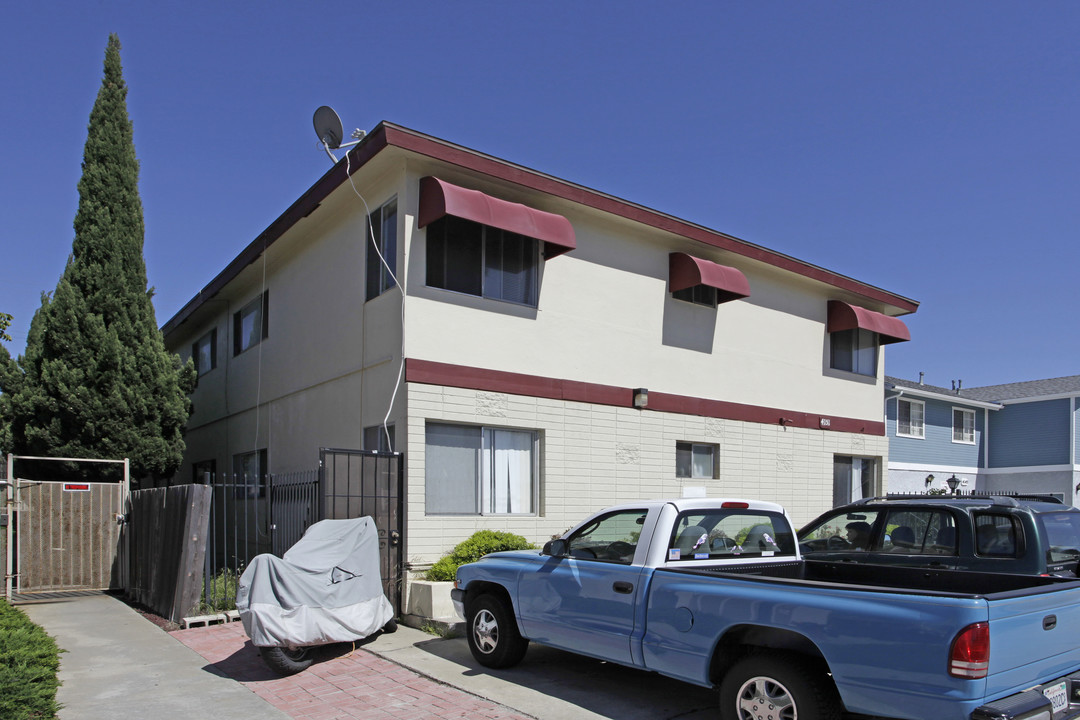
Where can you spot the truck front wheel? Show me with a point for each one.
(776, 686)
(493, 635)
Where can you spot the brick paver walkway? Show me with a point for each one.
(356, 684)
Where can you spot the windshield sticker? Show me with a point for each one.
(768, 539)
(737, 550)
(701, 541)
(673, 554)
(768, 553)
(701, 556)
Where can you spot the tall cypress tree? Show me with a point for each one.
(97, 380)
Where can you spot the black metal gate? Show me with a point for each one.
(356, 483)
(250, 515)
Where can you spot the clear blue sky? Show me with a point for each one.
(928, 148)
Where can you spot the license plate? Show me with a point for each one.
(1057, 696)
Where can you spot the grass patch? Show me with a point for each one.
(29, 661)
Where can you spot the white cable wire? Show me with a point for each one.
(385, 264)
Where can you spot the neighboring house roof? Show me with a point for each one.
(1030, 389)
(389, 135)
(917, 389)
(997, 394)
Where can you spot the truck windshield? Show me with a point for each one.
(704, 535)
(1062, 535)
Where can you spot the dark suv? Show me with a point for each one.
(1027, 534)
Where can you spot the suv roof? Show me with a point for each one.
(1036, 503)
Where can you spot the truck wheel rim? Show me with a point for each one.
(485, 631)
(762, 698)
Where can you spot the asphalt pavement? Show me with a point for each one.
(117, 663)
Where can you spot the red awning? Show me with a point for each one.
(847, 317)
(687, 271)
(439, 198)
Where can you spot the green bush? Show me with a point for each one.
(480, 544)
(221, 595)
(29, 661)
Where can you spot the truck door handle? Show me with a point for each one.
(1049, 622)
(623, 588)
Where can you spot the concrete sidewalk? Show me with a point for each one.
(118, 664)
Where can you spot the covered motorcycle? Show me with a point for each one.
(325, 589)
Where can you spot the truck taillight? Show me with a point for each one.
(735, 505)
(969, 656)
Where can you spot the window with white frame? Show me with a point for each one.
(477, 470)
(696, 460)
(467, 257)
(910, 418)
(251, 323)
(854, 350)
(963, 426)
(380, 275)
(204, 352)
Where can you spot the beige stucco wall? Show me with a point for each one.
(594, 456)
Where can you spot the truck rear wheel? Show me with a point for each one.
(493, 635)
(776, 686)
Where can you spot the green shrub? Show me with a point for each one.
(480, 544)
(221, 595)
(29, 661)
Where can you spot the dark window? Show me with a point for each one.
(853, 478)
(854, 350)
(467, 257)
(696, 460)
(996, 535)
(251, 324)
(697, 294)
(204, 472)
(250, 474)
(375, 438)
(382, 240)
(204, 352)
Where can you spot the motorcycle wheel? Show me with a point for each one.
(286, 662)
(390, 626)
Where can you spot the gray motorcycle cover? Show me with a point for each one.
(325, 589)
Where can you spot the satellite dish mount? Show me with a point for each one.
(329, 130)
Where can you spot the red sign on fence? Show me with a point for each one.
(76, 487)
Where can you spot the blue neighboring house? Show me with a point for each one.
(1017, 437)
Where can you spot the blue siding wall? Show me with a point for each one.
(937, 448)
(1035, 433)
(1076, 427)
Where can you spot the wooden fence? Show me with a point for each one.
(167, 533)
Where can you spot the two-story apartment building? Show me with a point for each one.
(535, 348)
(1017, 437)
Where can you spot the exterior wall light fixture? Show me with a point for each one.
(641, 397)
(953, 482)
(929, 480)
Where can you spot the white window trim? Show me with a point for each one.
(952, 416)
(922, 426)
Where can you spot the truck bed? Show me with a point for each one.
(889, 578)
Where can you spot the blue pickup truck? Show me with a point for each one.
(716, 593)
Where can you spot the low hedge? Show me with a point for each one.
(475, 547)
(29, 661)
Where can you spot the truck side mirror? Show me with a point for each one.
(555, 548)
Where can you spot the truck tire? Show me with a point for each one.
(777, 686)
(494, 639)
(287, 662)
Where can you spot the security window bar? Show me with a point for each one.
(383, 223)
(467, 257)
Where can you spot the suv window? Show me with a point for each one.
(1063, 536)
(996, 535)
(919, 532)
(839, 532)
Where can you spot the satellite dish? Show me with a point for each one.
(328, 128)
